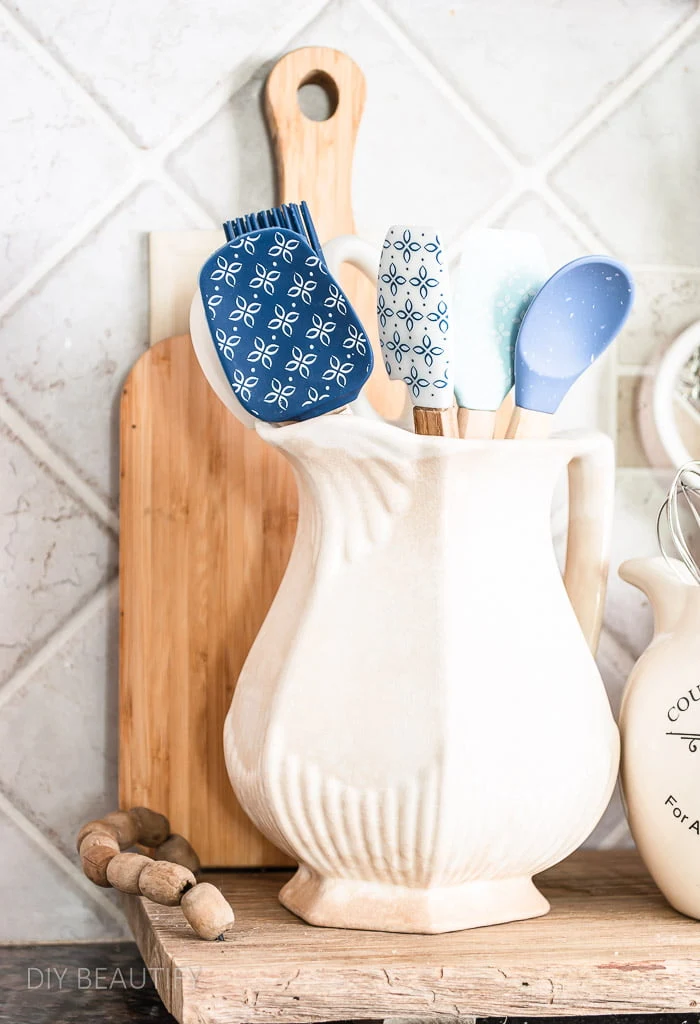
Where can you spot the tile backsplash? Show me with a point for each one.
(576, 119)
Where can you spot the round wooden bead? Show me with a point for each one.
(126, 827)
(124, 869)
(94, 826)
(153, 828)
(98, 838)
(165, 883)
(207, 911)
(177, 850)
(95, 861)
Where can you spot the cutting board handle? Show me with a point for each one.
(314, 162)
(314, 158)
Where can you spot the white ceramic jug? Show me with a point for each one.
(660, 727)
(420, 721)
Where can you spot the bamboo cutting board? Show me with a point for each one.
(208, 512)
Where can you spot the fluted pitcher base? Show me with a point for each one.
(348, 903)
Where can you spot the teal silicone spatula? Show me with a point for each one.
(499, 274)
(570, 323)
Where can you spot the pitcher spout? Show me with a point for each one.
(663, 584)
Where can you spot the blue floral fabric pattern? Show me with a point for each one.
(289, 341)
(413, 314)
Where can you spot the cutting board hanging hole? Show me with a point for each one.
(317, 96)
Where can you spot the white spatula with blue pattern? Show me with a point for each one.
(414, 324)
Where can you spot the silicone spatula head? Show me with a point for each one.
(498, 275)
(413, 314)
(286, 336)
(571, 321)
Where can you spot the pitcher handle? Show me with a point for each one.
(591, 501)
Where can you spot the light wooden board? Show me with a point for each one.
(208, 516)
(610, 944)
(207, 512)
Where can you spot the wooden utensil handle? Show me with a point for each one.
(435, 422)
(476, 423)
(526, 423)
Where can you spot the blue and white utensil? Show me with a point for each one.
(499, 274)
(414, 324)
(286, 337)
(572, 320)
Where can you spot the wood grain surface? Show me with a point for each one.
(610, 944)
(208, 516)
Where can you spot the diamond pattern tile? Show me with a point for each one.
(534, 68)
(58, 734)
(666, 302)
(228, 163)
(40, 901)
(151, 64)
(68, 347)
(56, 165)
(530, 69)
(635, 177)
(54, 554)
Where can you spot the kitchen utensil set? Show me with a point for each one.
(279, 341)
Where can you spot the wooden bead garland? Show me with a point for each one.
(168, 878)
(207, 911)
(178, 850)
(124, 869)
(165, 883)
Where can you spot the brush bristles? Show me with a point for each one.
(289, 215)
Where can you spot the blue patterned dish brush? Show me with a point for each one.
(287, 339)
(414, 324)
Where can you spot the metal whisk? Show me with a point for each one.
(681, 512)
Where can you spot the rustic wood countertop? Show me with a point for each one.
(611, 950)
(610, 944)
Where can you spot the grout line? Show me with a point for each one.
(54, 66)
(187, 203)
(574, 223)
(61, 636)
(70, 241)
(48, 457)
(226, 90)
(486, 218)
(655, 61)
(37, 837)
(425, 64)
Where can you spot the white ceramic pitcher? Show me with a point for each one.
(420, 721)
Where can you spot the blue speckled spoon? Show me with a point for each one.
(572, 320)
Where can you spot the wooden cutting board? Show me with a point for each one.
(208, 512)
